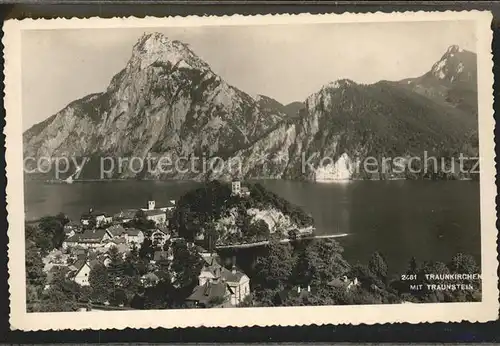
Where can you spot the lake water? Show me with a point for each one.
(431, 220)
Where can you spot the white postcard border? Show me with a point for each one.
(486, 310)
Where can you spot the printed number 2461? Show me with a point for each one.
(408, 277)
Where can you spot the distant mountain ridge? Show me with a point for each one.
(168, 102)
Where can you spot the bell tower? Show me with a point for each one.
(236, 188)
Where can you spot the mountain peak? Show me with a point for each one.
(339, 83)
(156, 47)
(454, 49)
(452, 64)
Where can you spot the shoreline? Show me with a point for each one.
(343, 181)
(286, 240)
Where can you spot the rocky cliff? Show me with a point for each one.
(168, 103)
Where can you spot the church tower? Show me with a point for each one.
(236, 188)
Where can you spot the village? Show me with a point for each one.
(97, 239)
(91, 239)
(173, 271)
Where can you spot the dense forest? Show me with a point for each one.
(320, 264)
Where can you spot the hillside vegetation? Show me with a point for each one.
(212, 213)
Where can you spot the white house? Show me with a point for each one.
(130, 235)
(158, 216)
(134, 236)
(81, 272)
(103, 219)
(100, 218)
(238, 282)
(71, 228)
(160, 236)
(210, 271)
(88, 239)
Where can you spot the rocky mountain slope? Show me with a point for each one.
(168, 103)
(451, 80)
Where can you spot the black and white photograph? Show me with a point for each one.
(205, 167)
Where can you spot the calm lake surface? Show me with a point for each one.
(431, 220)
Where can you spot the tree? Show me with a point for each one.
(258, 229)
(63, 219)
(33, 295)
(293, 234)
(115, 267)
(320, 262)
(57, 301)
(49, 234)
(62, 295)
(367, 279)
(35, 276)
(212, 236)
(54, 226)
(434, 268)
(34, 266)
(413, 267)
(141, 222)
(146, 251)
(119, 297)
(186, 265)
(216, 300)
(100, 283)
(160, 296)
(378, 266)
(274, 269)
(463, 264)
(133, 267)
(363, 296)
(324, 295)
(138, 300)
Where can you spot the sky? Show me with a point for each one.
(285, 62)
